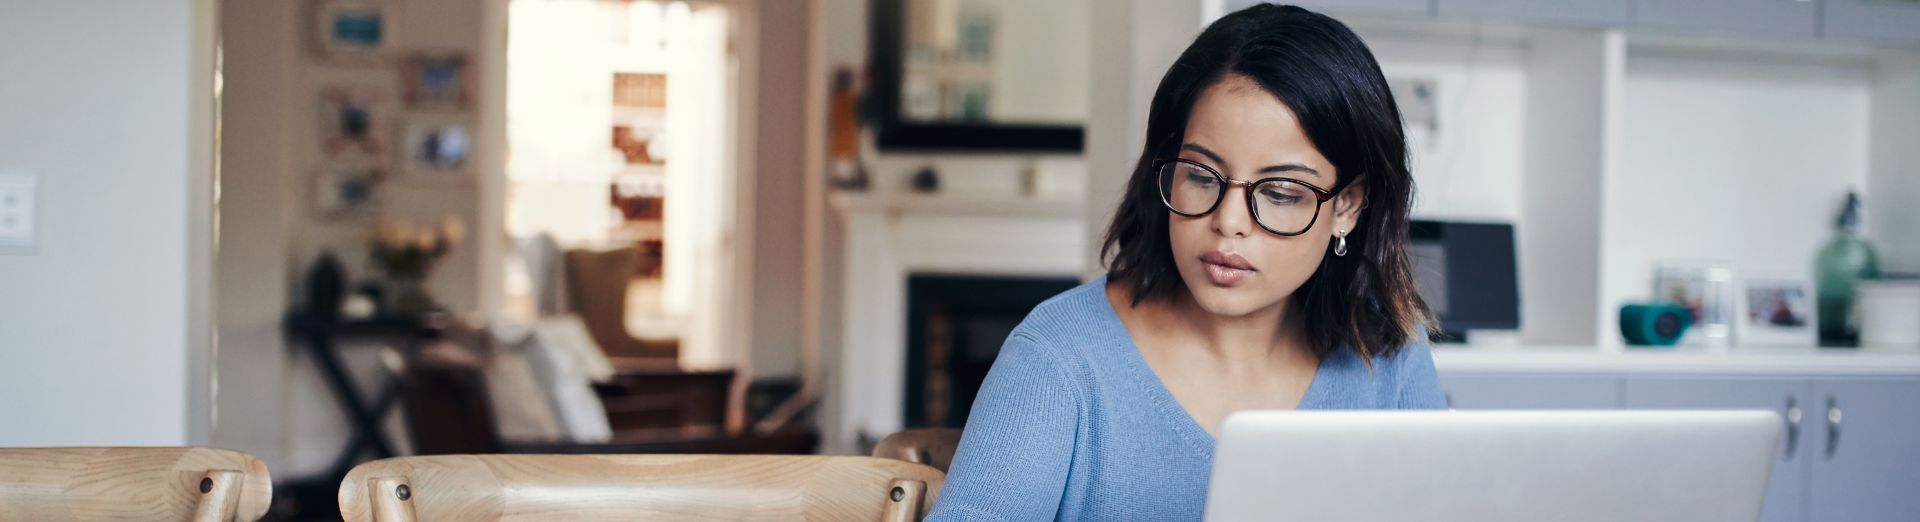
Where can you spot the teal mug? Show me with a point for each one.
(1659, 324)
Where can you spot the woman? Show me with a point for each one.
(1258, 261)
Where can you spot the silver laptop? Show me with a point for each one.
(1694, 466)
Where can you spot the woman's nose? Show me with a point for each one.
(1233, 219)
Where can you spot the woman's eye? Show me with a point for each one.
(1280, 197)
(1200, 179)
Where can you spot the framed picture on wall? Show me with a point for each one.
(351, 32)
(437, 149)
(1776, 313)
(438, 81)
(353, 123)
(349, 192)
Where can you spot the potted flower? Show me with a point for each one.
(405, 253)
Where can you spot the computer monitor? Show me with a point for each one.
(1468, 274)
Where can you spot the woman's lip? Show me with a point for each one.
(1233, 261)
(1222, 275)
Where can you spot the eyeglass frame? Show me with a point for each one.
(1320, 195)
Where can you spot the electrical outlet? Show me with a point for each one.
(19, 211)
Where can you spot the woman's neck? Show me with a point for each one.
(1266, 335)
(1272, 335)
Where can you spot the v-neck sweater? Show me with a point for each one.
(1072, 424)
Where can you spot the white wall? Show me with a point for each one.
(1737, 160)
(779, 187)
(256, 276)
(1572, 110)
(1469, 166)
(110, 103)
(1895, 160)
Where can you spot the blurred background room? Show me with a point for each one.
(328, 231)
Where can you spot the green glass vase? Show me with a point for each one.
(1842, 263)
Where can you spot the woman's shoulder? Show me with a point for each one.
(1410, 356)
(1403, 378)
(1407, 377)
(1076, 329)
(1069, 315)
(1410, 360)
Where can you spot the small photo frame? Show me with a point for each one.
(353, 32)
(438, 150)
(439, 81)
(1706, 290)
(1777, 313)
(354, 123)
(349, 192)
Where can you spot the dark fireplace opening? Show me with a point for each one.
(955, 326)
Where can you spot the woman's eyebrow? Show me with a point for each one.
(1205, 152)
(1290, 167)
(1282, 168)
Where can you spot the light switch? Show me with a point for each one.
(19, 211)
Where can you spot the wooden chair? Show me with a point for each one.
(930, 446)
(197, 484)
(636, 487)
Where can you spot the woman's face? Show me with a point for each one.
(1231, 265)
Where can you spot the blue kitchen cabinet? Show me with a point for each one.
(1865, 449)
(1788, 396)
(1530, 391)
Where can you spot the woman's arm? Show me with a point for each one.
(1019, 440)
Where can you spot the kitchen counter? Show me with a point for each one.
(1680, 360)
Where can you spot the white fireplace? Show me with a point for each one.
(888, 237)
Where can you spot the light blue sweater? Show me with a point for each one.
(1072, 424)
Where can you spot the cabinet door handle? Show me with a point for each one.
(1793, 427)
(1833, 426)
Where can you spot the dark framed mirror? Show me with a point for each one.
(980, 75)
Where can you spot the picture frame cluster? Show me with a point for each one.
(388, 113)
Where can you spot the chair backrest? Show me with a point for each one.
(197, 484)
(635, 487)
(597, 286)
(930, 446)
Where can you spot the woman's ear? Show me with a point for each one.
(1347, 206)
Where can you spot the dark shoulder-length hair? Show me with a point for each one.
(1366, 300)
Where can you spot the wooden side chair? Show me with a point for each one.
(196, 484)
(930, 446)
(638, 487)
